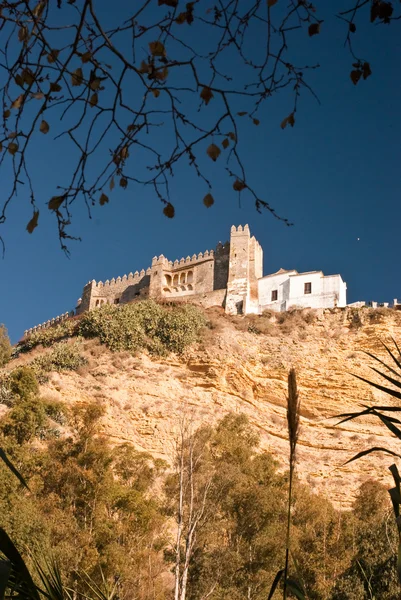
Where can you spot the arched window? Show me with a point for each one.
(167, 279)
(97, 302)
(190, 276)
(182, 277)
(183, 288)
(175, 289)
(166, 290)
(190, 287)
(175, 280)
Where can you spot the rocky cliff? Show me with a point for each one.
(241, 365)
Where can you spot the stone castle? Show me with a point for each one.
(231, 276)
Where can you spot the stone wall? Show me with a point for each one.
(221, 265)
(238, 277)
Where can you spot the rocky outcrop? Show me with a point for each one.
(241, 365)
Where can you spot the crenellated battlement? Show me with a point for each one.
(129, 279)
(190, 261)
(50, 323)
(240, 230)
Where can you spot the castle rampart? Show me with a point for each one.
(230, 276)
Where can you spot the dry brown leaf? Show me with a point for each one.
(352, 27)
(28, 76)
(19, 80)
(77, 77)
(256, 122)
(12, 148)
(355, 76)
(161, 74)
(12, 135)
(103, 199)
(144, 68)
(208, 200)
(123, 183)
(93, 100)
(156, 92)
(33, 222)
(239, 185)
(225, 143)
(86, 57)
(182, 17)
(124, 152)
(55, 87)
(172, 3)
(23, 34)
(38, 95)
(242, 113)
(366, 70)
(157, 48)
(213, 152)
(169, 210)
(18, 102)
(55, 202)
(1, 147)
(206, 95)
(53, 56)
(314, 29)
(290, 120)
(112, 184)
(95, 84)
(6, 113)
(232, 136)
(271, 3)
(44, 127)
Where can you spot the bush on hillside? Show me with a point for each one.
(63, 356)
(143, 325)
(23, 383)
(26, 420)
(179, 327)
(5, 346)
(48, 336)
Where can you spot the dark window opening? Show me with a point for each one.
(274, 295)
(308, 288)
(117, 301)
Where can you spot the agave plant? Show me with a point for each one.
(385, 415)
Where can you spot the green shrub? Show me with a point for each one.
(49, 335)
(63, 356)
(55, 410)
(5, 346)
(25, 420)
(24, 383)
(143, 325)
(6, 396)
(180, 327)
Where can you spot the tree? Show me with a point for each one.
(107, 87)
(187, 492)
(5, 346)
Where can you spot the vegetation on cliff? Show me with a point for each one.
(112, 514)
(211, 523)
(144, 325)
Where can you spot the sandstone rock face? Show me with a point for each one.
(241, 365)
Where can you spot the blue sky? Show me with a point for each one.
(336, 175)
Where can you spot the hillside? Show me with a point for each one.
(241, 365)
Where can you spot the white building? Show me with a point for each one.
(289, 289)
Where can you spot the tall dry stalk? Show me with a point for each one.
(293, 406)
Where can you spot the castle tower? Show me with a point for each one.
(159, 265)
(245, 268)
